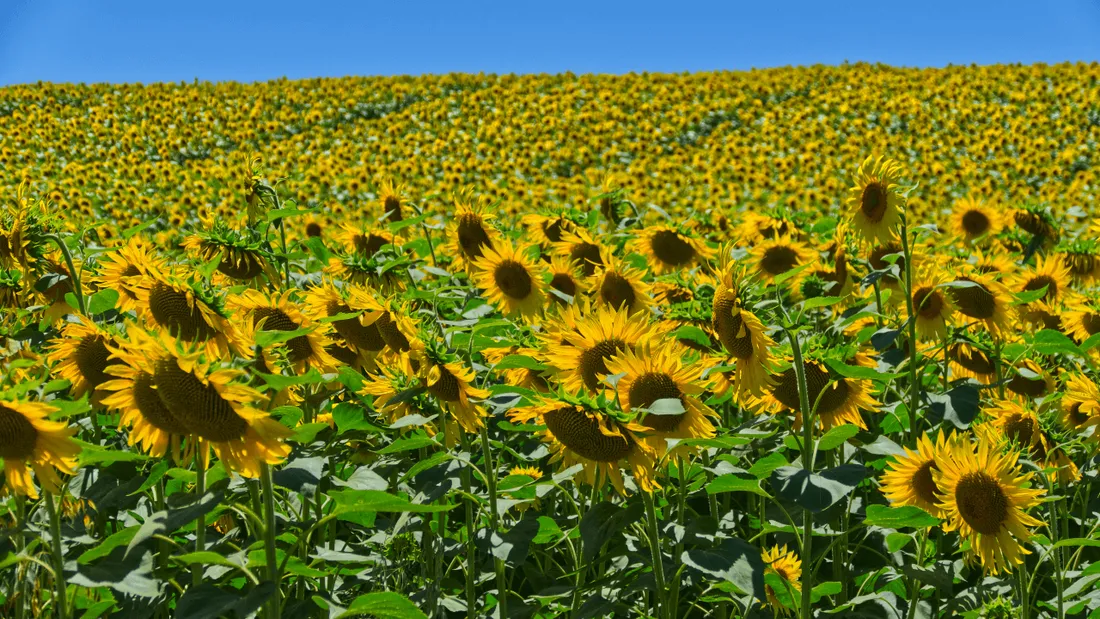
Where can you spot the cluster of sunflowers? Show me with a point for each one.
(648, 409)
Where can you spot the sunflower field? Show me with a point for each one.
(797, 342)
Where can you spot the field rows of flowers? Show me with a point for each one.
(804, 342)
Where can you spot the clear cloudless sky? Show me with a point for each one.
(174, 40)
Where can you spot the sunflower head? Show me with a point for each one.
(29, 440)
(670, 249)
(909, 478)
(579, 248)
(512, 280)
(875, 200)
(621, 286)
(974, 219)
(785, 564)
(1038, 221)
(392, 197)
(82, 355)
(582, 340)
(470, 231)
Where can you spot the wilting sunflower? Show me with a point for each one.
(29, 440)
(1047, 273)
(583, 341)
(875, 201)
(982, 298)
(621, 286)
(187, 312)
(984, 495)
(934, 309)
(359, 311)
(1080, 403)
(974, 219)
(1082, 258)
(658, 373)
(240, 258)
(213, 404)
(788, 567)
(133, 393)
(565, 277)
(511, 279)
(470, 231)
(1030, 380)
(578, 247)
(908, 479)
(968, 361)
(742, 335)
(588, 435)
(82, 355)
(669, 249)
(839, 401)
(1037, 221)
(122, 270)
(779, 255)
(757, 227)
(278, 312)
(365, 241)
(452, 385)
(392, 197)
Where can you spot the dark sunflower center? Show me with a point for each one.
(972, 359)
(394, 338)
(369, 244)
(878, 262)
(313, 229)
(171, 310)
(513, 279)
(17, 435)
(1091, 323)
(392, 206)
(563, 283)
(670, 248)
(552, 230)
(1030, 387)
(199, 407)
(362, 337)
(1079, 264)
(617, 291)
(778, 260)
(928, 303)
(1020, 428)
(832, 397)
(593, 361)
(275, 319)
(647, 389)
(92, 359)
(152, 408)
(923, 484)
(975, 223)
(982, 502)
(873, 201)
(472, 237)
(581, 434)
(1030, 222)
(343, 354)
(1039, 281)
(1076, 416)
(588, 255)
(974, 301)
(447, 388)
(241, 264)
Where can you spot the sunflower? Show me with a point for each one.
(1048, 273)
(358, 331)
(669, 250)
(187, 313)
(452, 386)
(908, 479)
(392, 197)
(470, 231)
(743, 336)
(839, 401)
(123, 270)
(1080, 403)
(823, 281)
(969, 361)
(83, 356)
(757, 227)
(278, 312)
(877, 259)
(240, 258)
(548, 229)
(579, 248)
(313, 226)
(1030, 380)
(565, 279)
(875, 201)
(511, 279)
(527, 378)
(214, 405)
(611, 198)
(779, 255)
(653, 374)
(358, 239)
(984, 495)
(788, 567)
(1082, 259)
(385, 385)
(1037, 221)
(621, 286)
(588, 435)
(133, 393)
(973, 219)
(982, 298)
(29, 440)
(933, 307)
(1018, 427)
(361, 270)
(671, 292)
(1082, 321)
(995, 264)
(583, 341)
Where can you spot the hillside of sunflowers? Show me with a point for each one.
(805, 342)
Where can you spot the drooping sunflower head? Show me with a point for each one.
(82, 355)
(29, 440)
(974, 219)
(611, 198)
(1082, 259)
(757, 227)
(933, 308)
(1038, 221)
(743, 336)
(835, 400)
(984, 496)
(875, 200)
(1018, 427)
(1082, 320)
(354, 312)
(366, 241)
(909, 480)
(392, 197)
(889, 258)
(375, 271)
(240, 255)
(280, 312)
(785, 564)
(583, 341)
(511, 279)
(779, 255)
(970, 361)
(548, 228)
(1030, 380)
(386, 383)
(621, 286)
(586, 433)
(187, 311)
(123, 269)
(670, 249)
(579, 248)
(470, 231)
(451, 383)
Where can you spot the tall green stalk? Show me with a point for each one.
(655, 555)
(471, 532)
(200, 524)
(808, 465)
(494, 517)
(912, 323)
(273, 605)
(58, 557)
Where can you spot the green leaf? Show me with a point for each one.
(384, 605)
(837, 436)
(782, 277)
(349, 502)
(897, 541)
(816, 302)
(1077, 541)
(135, 229)
(1092, 342)
(858, 371)
(94, 454)
(349, 417)
(899, 517)
(1050, 342)
(960, 405)
(284, 213)
(408, 444)
(733, 561)
(731, 482)
(666, 406)
(813, 491)
(278, 382)
(105, 547)
(265, 339)
(764, 466)
(102, 301)
(549, 531)
(155, 475)
(205, 557)
(825, 589)
(1029, 296)
(307, 433)
(519, 361)
(693, 334)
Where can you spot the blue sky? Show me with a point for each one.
(158, 40)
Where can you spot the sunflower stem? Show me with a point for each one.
(200, 524)
(471, 547)
(808, 466)
(912, 323)
(269, 538)
(655, 554)
(878, 304)
(494, 517)
(58, 556)
(20, 544)
(74, 276)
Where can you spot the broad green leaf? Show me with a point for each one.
(899, 517)
(357, 501)
(837, 436)
(731, 482)
(102, 301)
(383, 605)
